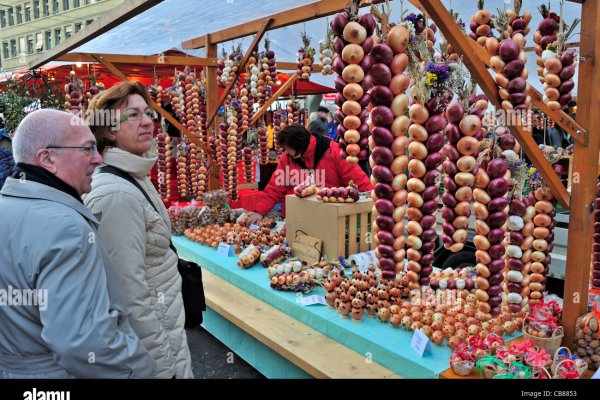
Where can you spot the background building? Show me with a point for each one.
(31, 27)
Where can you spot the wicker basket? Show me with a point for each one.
(538, 373)
(549, 344)
(545, 365)
(557, 369)
(462, 367)
(581, 365)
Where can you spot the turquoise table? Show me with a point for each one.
(380, 342)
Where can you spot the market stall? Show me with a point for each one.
(418, 119)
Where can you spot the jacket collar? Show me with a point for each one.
(308, 157)
(34, 190)
(137, 166)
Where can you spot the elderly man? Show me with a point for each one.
(62, 315)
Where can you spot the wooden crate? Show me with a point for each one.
(344, 228)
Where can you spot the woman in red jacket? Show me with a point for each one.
(306, 154)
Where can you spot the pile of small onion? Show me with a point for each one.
(511, 73)
(248, 173)
(325, 57)
(304, 60)
(164, 176)
(293, 112)
(183, 183)
(352, 43)
(480, 25)
(464, 133)
(426, 140)
(491, 186)
(222, 154)
(278, 125)
(543, 235)
(558, 78)
(338, 195)
(388, 142)
(72, 98)
(262, 145)
(518, 252)
(546, 34)
(233, 142)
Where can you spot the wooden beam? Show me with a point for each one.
(212, 94)
(285, 18)
(291, 66)
(152, 60)
(570, 126)
(581, 226)
(121, 13)
(241, 66)
(274, 98)
(115, 71)
(479, 72)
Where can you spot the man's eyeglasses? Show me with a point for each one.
(136, 115)
(91, 150)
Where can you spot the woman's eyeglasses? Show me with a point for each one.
(91, 150)
(136, 115)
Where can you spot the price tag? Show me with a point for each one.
(224, 249)
(420, 343)
(310, 300)
(596, 375)
(254, 227)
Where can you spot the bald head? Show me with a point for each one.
(40, 129)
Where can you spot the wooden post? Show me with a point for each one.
(479, 72)
(233, 82)
(211, 107)
(585, 159)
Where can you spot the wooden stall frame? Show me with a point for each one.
(583, 192)
(582, 197)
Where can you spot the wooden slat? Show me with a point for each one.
(352, 234)
(364, 229)
(583, 190)
(479, 72)
(291, 66)
(305, 347)
(121, 13)
(570, 126)
(342, 236)
(115, 71)
(241, 66)
(152, 60)
(290, 17)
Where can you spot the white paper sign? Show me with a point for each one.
(254, 227)
(310, 300)
(224, 249)
(420, 343)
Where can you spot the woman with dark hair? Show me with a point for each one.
(305, 154)
(137, 233)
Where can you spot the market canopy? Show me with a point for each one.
(169, 23)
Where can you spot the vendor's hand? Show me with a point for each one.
(254, 218)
